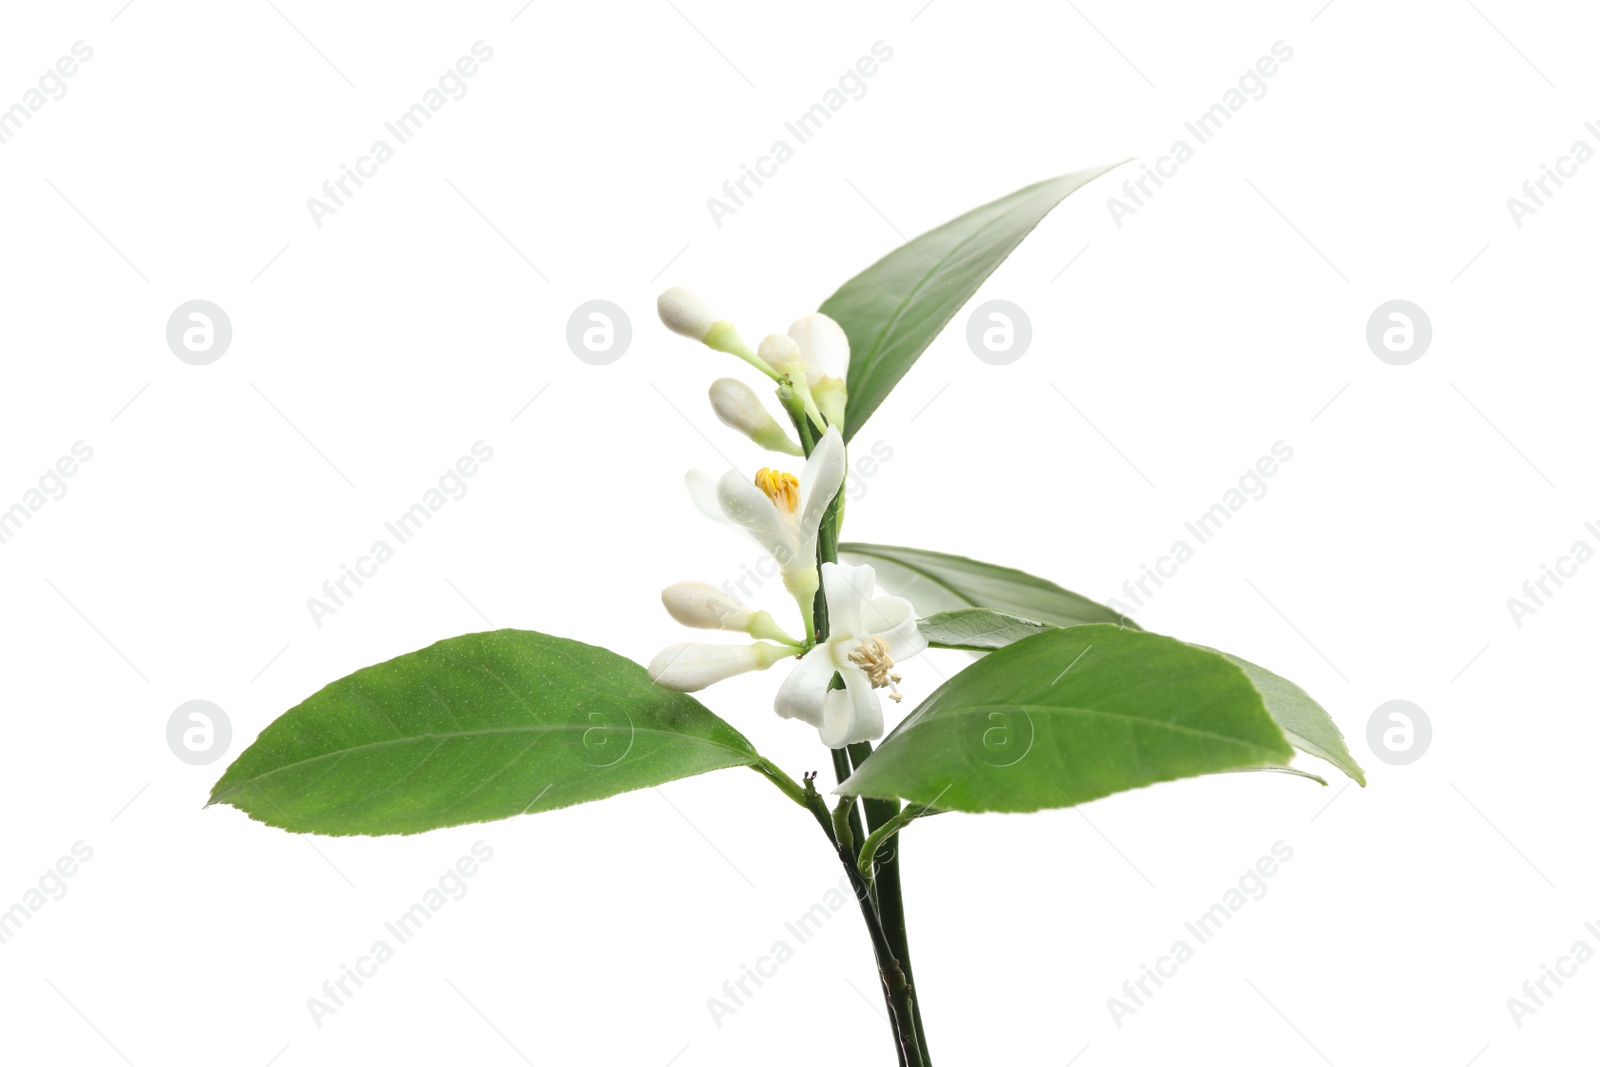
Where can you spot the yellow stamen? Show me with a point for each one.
(782, 489)
(872, 656)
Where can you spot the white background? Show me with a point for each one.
(1227, 314)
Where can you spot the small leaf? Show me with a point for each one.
(895, 308)
(936, 582)
(978, 629)
(479, 727)
(1071, 715)
(1306, 724)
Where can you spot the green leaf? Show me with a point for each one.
(895, 308)
(978, 629)
(1306, 724)
(935, 582)
(1072, 715)
(479, 727)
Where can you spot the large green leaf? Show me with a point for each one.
(1306, 724)
(479, 727)
(936, 581)
(977, 629)
(1071, 715)
(895, 308)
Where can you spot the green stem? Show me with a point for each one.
(885, 876)
(791, 788)
(797, 414)
(841, 771)
(875, 813)
(843, 833)
(897, 990)
(875, 840)
(724, 338)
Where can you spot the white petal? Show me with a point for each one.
(703, 491)
(895, 620)
(692, 666)
(823, 346)
(748, 506)
(848, 590)
(820, 481)
(852, 714)
(704, 607)
(802, 694)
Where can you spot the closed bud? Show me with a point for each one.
(784, 355)
(691, 667)
(781, 353)
(738, 406)
(705, 607)
(685, 313)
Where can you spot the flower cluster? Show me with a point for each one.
(834, 685)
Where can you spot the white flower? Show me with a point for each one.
(867, 637)
(781, 512)
(737, 405)
(825, 358)
(692, 666)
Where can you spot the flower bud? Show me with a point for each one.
(685, 313)
(737, 405)
(780, 352)
(705, 607)
(823, 345)
(690, 667)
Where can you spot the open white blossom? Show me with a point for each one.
(867, 638)
(782, 512)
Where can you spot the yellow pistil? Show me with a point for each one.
(872, 656)
(782, 489)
